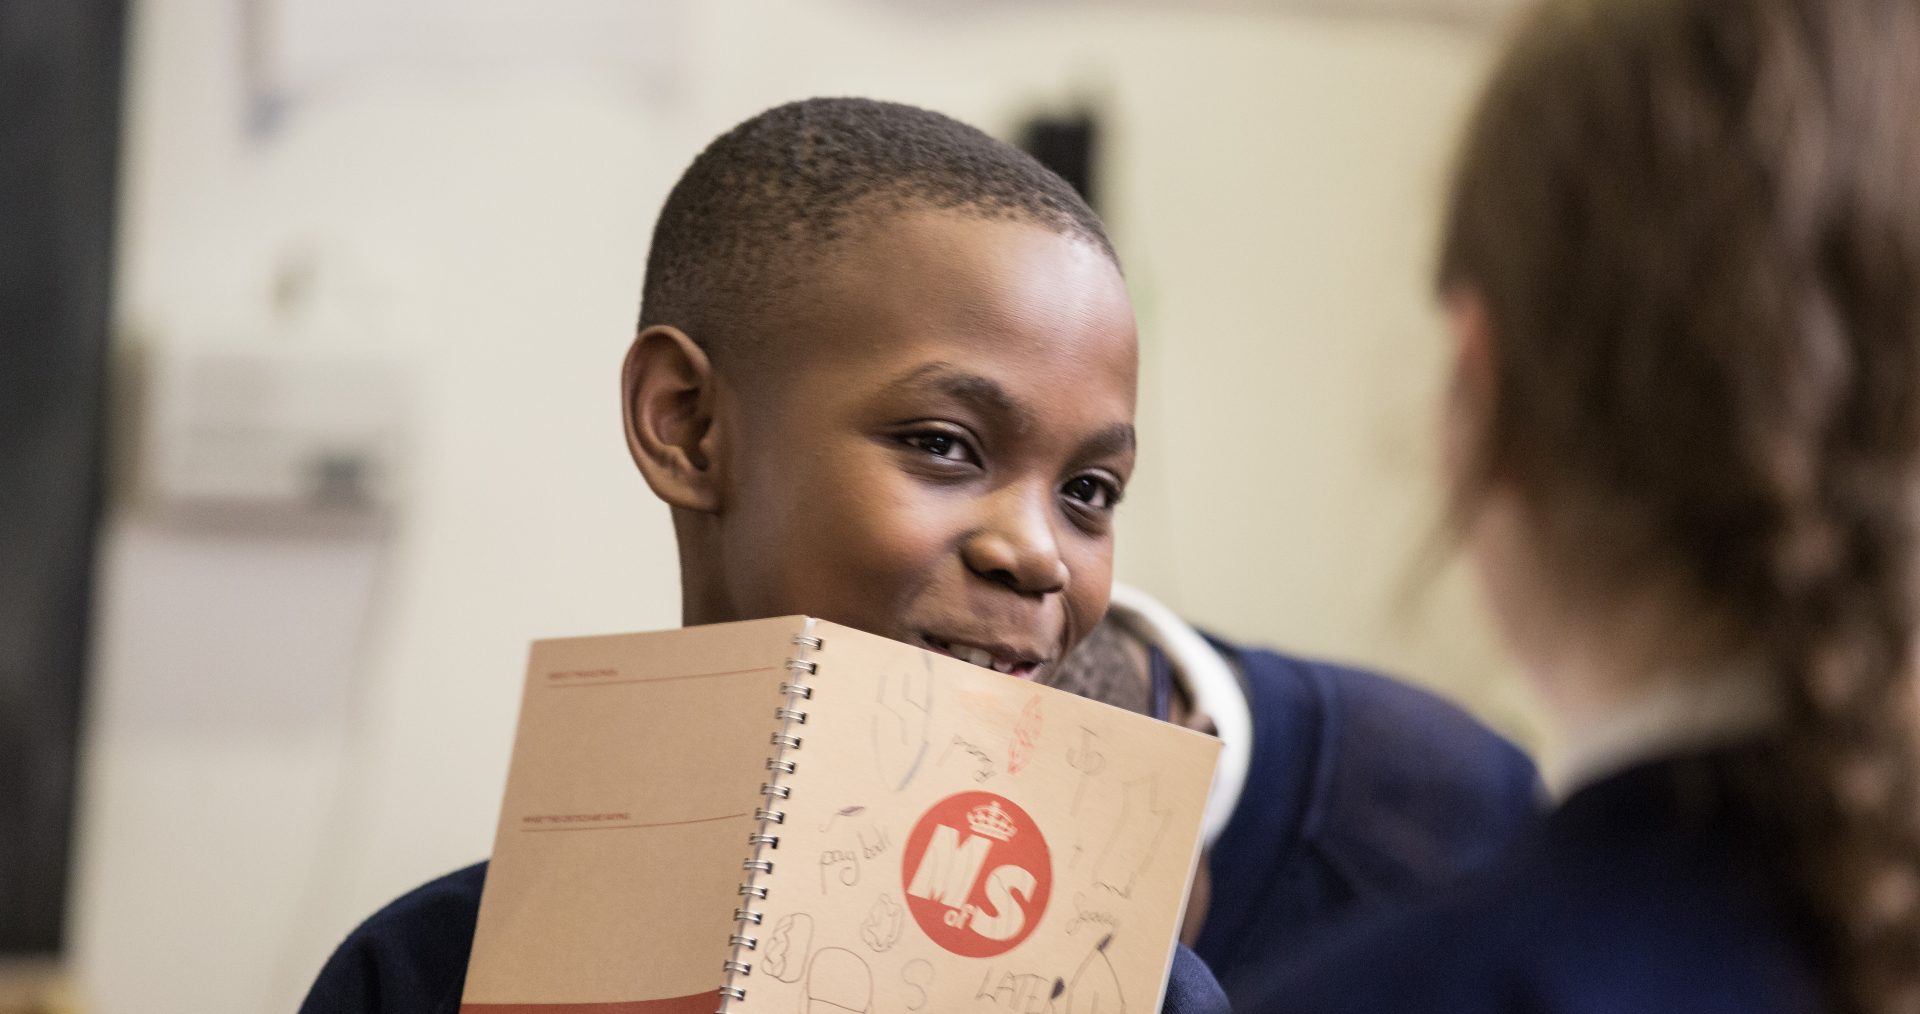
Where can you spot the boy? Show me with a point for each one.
(885, 376)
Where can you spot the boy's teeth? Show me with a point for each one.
(976, 656)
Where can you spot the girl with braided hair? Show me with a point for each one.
(1682, 260)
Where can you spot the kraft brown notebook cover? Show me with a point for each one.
(791, 816)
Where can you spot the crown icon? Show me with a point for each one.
(990, 820)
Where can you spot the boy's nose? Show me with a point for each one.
(1017, 548)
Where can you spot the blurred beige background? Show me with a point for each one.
(290, 727)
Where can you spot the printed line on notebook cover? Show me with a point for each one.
(699, 1003)
(628, 827)
(566, 680)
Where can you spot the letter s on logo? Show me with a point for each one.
(1007, 919)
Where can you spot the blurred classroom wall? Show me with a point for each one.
(291, 725)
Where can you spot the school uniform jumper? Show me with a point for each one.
(1644, 893)
(1362, 794)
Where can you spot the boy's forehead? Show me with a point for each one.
(928, 277)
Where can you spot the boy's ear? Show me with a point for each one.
(667, 399)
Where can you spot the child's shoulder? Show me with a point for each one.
(1655, 912)
(1386, 770)
(409, 956)
(1362, 792)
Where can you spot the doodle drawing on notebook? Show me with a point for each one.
(918, 975)
(838, 982)
(1095, 988)
(882, 926)
(1026, 736)
(1136, 832)
(787, 949)
(902, 723)
(1087, 759)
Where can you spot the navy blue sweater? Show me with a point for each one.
(1651, 892)
(1363, 794)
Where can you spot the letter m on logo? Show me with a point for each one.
(948, 869)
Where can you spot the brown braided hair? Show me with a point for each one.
(1694, 229)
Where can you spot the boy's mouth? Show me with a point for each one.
(1000, 658)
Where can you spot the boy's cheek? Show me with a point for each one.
(883, 530)
(908, 534)
(1092, 586)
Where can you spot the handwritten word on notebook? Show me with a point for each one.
(792, 816)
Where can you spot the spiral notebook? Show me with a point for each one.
(791, 816)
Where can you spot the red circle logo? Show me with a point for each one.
(977, 874)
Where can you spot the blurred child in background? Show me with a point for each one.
(1682, 258)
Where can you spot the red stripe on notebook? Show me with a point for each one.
(698, 1003)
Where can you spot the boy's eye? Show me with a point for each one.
(941, 445)
(1092, 491)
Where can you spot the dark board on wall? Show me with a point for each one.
(1069, 145)
(60, 71)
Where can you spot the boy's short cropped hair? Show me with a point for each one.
(756, 209)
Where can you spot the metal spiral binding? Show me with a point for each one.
(758, 865)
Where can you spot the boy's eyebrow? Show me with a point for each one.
(986, 393)
(982, 392)
(1115, 439)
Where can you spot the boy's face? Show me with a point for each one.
(939, 459)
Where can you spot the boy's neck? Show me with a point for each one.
(702, 598)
